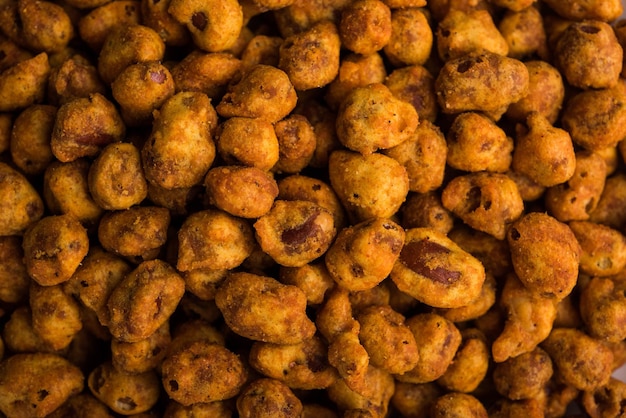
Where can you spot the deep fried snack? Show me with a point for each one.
(35, 384)
(579, 10)
(437, 342)
(30, 138)
(55, 316)
(368, 186)
(179, 201)
(529, 319)
(83, 405)
(389, 342)
(528, 189)
(545, 254)
(194, 330)
(601, 308)
(268, 398)
(415, 84)
(66, 190)
(203, 282)
(217, 409)
(415, 399)
(605, 401)
(144, 300)
(137, 233)
(6, 125)
(522, 29)
(371, 118)
(363, 255)
(546, 93)
(116, 179)
(460, 33)
(213, 239)
(425, 210)
(295, 232)
(492, 252)
(313, 279)
(84, 126)
(301, 187)
(488, 202)
(355, 70)
(603, 248)
(263, 92)
(202, 372)
(408, 25)
(505, 408)
(580, 360)
(172, 160)
(575, 199)
(311, 58)
(94, 280)
(124, 393)
(214, 25)
(235, 148)
(543, 152)
(261, 49)
(94, 26)
(436, 271)
(126, 45)
(469, 83)
(154, 14)
(595, 118)
(21, 205)
(300, 16)
(470, 364)
(208, 73)
(611, 210)
(476, 143)
(246, 192)
(24, 83)
(458, 404)
(373, 401)
(296, 144)
(262, 309)
(54, 247)
(485, 300)
(14, 279)
(365, 26)
(349, 357)
(140, 89)
(577, 50)
(524, 376)
(18, 335)
(299, 366)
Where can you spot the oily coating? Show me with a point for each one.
(415, 84)
(436, 271)
(268, 398)
(234, 147)
(296, 144)
(94, 27)
(30, 138)
(24, 83)
(601, 308)
(470, 364)
(524, 376)
(365, 26)
(603, 249)
(426, 210)
(284, 319)
(207, 72)
(523, 30)
(407, 25)
(21, 205)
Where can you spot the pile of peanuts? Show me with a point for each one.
(312, 208)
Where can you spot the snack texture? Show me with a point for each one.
(312, 208)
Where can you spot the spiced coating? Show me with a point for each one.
(524, 376)
(30, 138)
(21, 206)
(365, 26)
(234, 147)
(407, 25)
(265, 398)
(601, 303)
(24, 83)
(14, 279)
(206, 72)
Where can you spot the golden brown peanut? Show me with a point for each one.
(84, 126)
(468, 83)
(368, 186)
(122, 392)
(522, 29)
(54, 247)
(213, 239)
(234, 147)
(30, 138)
(21, 205)
(492, 252)
(407, 25)
(545, 254)
(144, 300)
(36, 384)
(415, 399)
(94, 27)
(24, 83)
(610, 210)
(214, 25)
(415, 84)
(477, 308)
(311, 58)
(436, 271)
(601, 303)
(265, 398)
(365, 26)
(299, 366)
(470, 364)
(242, 295)
(171, 160)
(313, 279)
(579, 10)
(460, 33)
(155, 16)
(503, 408)
(603, 249)
(524, 376)
(374, 399)
(371, 118)
(606, 400)
(425, 210)
(459, 404)
(208, 73)
(488, 202)
(300, 16)
(547, 162)
(217, 409)
(263, 92)
(580, 360)
(295, 232)
(363, 255)
(14, 279)
(296, 144)
(83, 405)
(43, 26)
(476, 143)
(246, 192)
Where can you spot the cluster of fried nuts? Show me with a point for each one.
(312, 208)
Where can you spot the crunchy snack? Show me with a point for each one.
(30, 138)
(21, 206)
(365, 26)
(266, 397)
